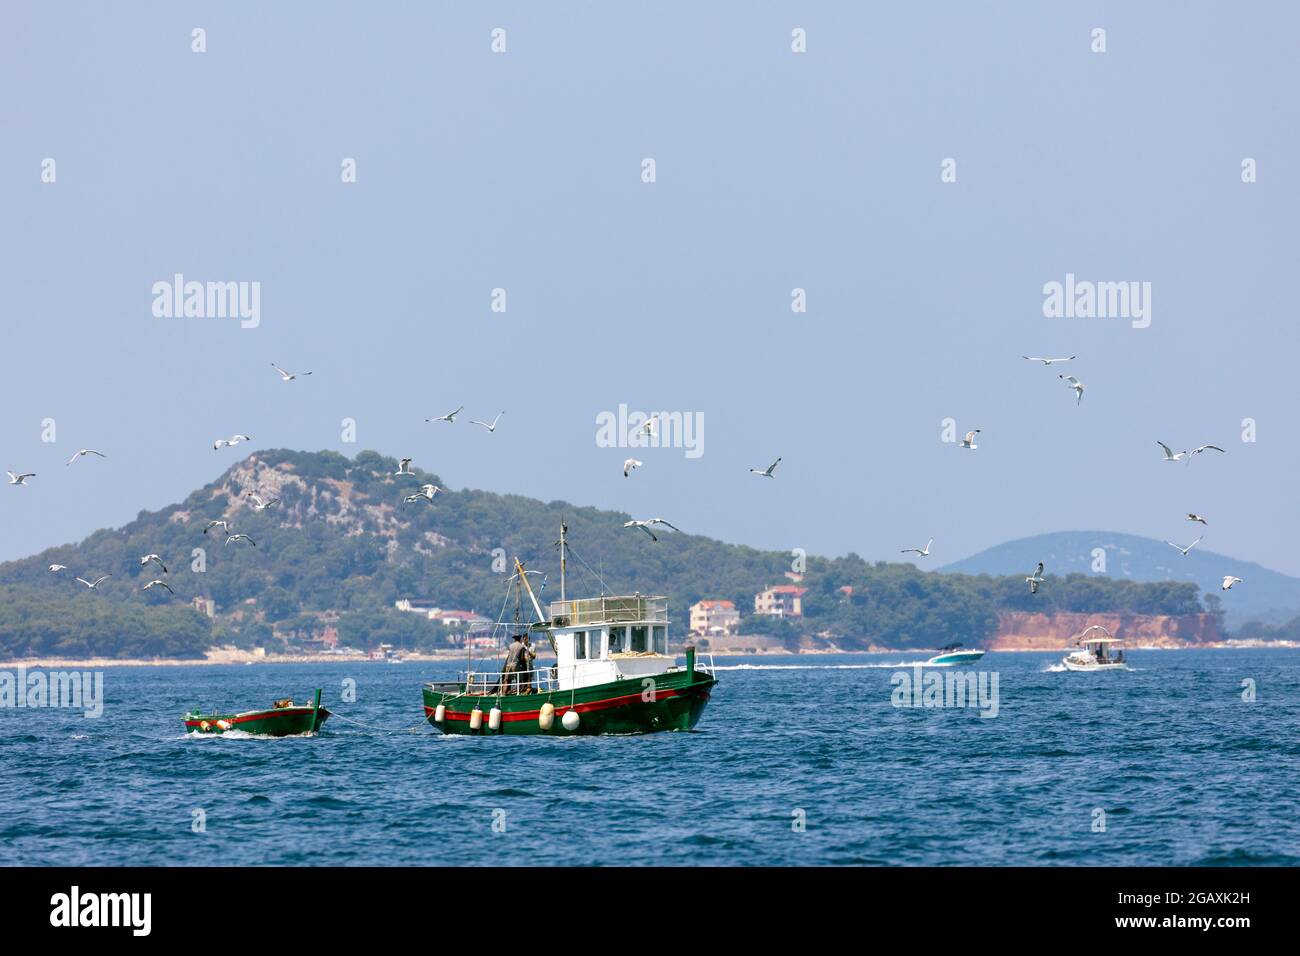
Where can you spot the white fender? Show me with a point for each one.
(546, 716)
(494, 718)
(476, 718)
(440, 713)
(570, 720)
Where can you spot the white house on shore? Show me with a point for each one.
(783, 600)
(714, 618)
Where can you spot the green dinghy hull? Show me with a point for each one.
(276, 722)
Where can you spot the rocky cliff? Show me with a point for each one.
(1023, 631)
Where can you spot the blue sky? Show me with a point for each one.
(774, 171)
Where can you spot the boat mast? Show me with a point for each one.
(563, 556)
(541, 618)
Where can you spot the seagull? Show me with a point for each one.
(1229, 581)
(1195, 517)
(449, 417)
(97, 582)
(86, 451)
(258, 503)
(969, 440)
(1197, 451)
(426, 491)
(1075, 384)
(237, 537)
(223, 525)
(1048, 361)
(57, 567)
(645, 526)
(630, 465)
(1035, 579)
(232, 440)
(766, 472)
(153, 557)
(287, 376)
(19, 479)
(157, 583)
(1169, 455)
(492, 427)
(404, 467)
(1183, 551)
(923, 552)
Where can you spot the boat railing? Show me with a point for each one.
(611, 609)
(544, 679)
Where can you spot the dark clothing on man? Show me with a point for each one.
(510, 673)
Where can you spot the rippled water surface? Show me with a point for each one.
(1185, 771)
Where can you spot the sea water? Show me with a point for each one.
(1190, 757)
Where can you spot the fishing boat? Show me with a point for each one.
(952, 654)
(1099, 652)
(612, 673)
(283, 719)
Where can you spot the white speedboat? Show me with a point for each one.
(952, 654)
(1098, 652)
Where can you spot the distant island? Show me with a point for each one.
(341, 561)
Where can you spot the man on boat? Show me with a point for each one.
(510, 673)
(526, 658)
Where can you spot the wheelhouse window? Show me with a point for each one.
(580, 645)
(617, 639)
(661, 639)
(593, 644)
(639, 632)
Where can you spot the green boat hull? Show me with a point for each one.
(276, 722)
(676, 702)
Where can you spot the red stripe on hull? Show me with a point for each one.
(560, 709)
(265, 716)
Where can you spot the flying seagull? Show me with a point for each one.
(1197, 451)
(239, 537)
(630, 465)
(492, 427)
(426, 491)
(1191, 516)
(922, 552)
(1169, 454)
(258, 503)
(232, 440)
(287, 376)
(86, 451)
(647, 523)
(223, 525)
(154, 558)
(57, 567)
(1183, 551)
(1048, 361)
(19, 479)
(969, 440)
(1035, 579)
(158, 583)
(404, 467)
(1075, 384)
(449, 417)
(96, 583)
(1229, 581)
(766, 472)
